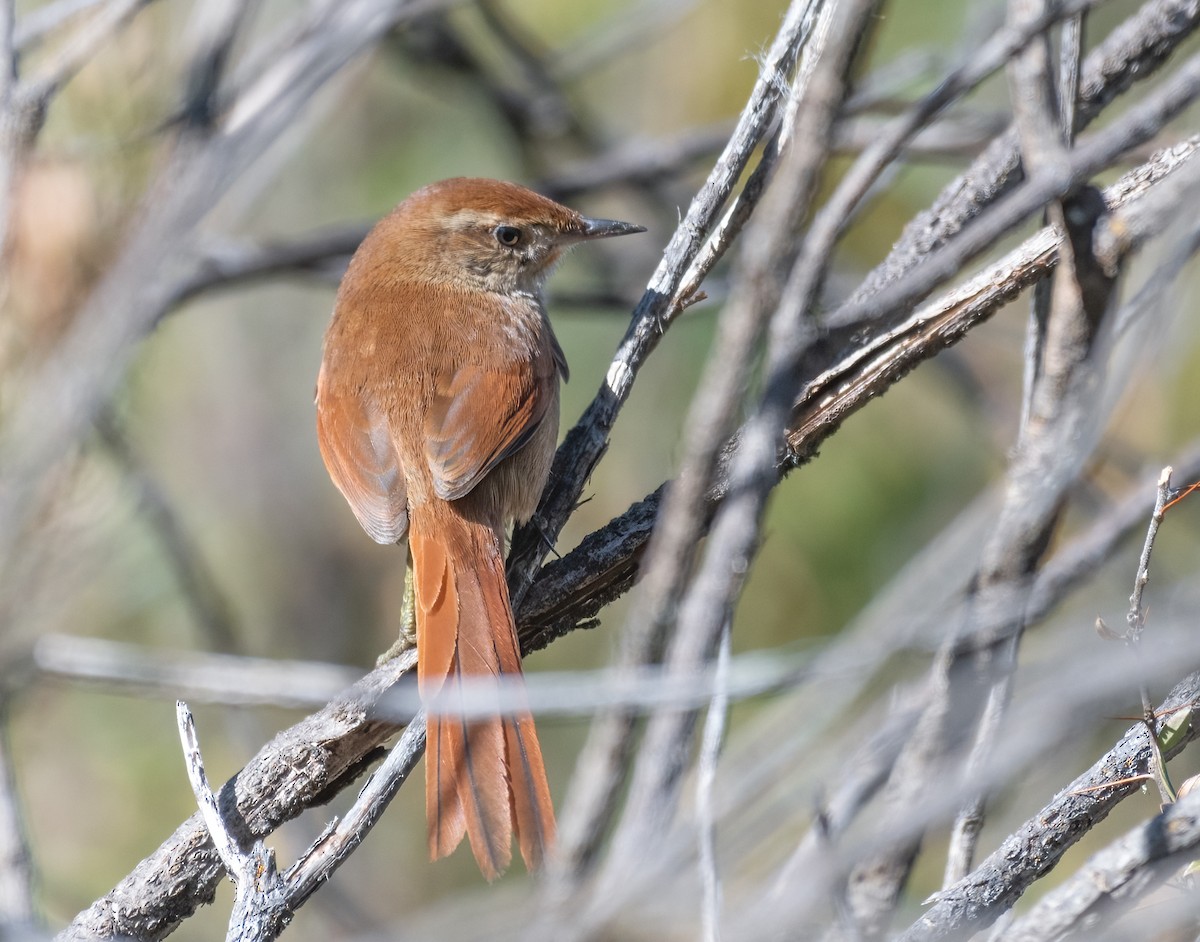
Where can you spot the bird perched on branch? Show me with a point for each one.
(437, 416)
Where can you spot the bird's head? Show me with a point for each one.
(482, 234)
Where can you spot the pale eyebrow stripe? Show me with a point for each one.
(472, 217)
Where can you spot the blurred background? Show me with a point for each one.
(199, 517)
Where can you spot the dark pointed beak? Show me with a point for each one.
(603, 228)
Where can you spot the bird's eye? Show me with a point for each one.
(508, 235)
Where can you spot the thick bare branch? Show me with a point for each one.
(1115, 878)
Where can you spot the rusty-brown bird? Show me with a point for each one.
(437, 415)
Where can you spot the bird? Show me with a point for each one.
(437, 418)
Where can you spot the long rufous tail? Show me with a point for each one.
(483, 777)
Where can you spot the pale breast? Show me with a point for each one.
(523, 333)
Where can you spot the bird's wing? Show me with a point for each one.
(478, 417)
(357, 446)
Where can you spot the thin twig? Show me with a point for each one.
(1070, 69)
(710, 750)
(549, 113)
(226, 846)
(221, 265)
(1136, 618)
(1135, 621)
(17, 911)
(998, 50)
(253, 872)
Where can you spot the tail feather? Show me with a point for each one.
(446, 819)
(530, 794)
(485, 777)
(532, 807)
(478, 774)
(437, 604)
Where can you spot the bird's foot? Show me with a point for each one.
(408, 624)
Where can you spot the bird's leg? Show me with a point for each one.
(408, 622)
